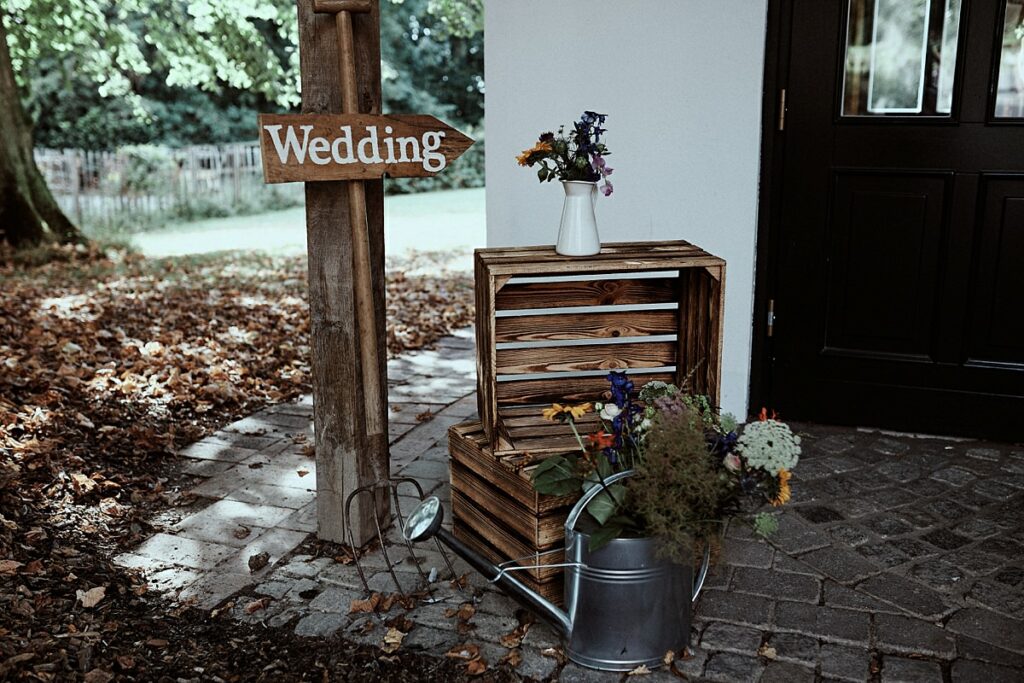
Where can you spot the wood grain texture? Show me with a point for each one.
(567, 327)
(551, 588)
(510, 545)
(570, 389)
(696, 290)
(346, 458)
(602, 292)
(540, 530)
(329, 127)
(586, 357)
(469, 446)
(700, 331)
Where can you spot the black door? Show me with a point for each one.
(897, 273)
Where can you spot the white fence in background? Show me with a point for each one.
(140, 186)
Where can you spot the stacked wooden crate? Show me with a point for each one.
(549, 329)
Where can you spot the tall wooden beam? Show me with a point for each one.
(346, 456)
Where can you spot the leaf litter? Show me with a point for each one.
(110, 363)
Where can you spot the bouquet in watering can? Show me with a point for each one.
(694, 469)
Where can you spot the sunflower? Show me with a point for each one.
(782, 497)
(559, 412)
(542, 147)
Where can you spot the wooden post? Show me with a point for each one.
(349, 377)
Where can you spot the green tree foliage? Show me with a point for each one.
(430, 65)
(102, 73)
(98, 73)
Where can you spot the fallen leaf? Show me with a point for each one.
(98, 676)
(82, 484)
(641, 670)
(464, 612)
(91, 597)
(475, 667)
(513, 658)
(767, 651)
(670, 656)
(392, 640)
(466, 651)
(257, 605)
(368, 606)
(126, 662)
(401, 622)
(425, 416)
(302, 473)
(258, 562)
(110, 506)
(156, 642)
(9, 566)
(241, 531)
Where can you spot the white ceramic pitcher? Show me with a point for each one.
(577, 235)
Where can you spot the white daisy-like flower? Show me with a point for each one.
(609, 411)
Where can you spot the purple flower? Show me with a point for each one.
(607, 188)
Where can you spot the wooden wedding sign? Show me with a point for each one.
(314, 147)
(341, 146)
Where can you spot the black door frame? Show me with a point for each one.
(770, 188)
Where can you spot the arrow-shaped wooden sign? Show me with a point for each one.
(311, 147)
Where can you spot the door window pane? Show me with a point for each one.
(1010, 88)
(900, 57)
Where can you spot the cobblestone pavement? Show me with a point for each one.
(899, 559)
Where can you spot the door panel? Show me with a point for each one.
(884, 256)
(997, 325)
(898, 286)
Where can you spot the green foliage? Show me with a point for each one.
(204, 43)
(765, 524)
(145, 168)
(466, 171)
(556, 476)
(677, 489)
(430, 67)
(102, 73)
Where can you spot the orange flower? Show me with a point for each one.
(539, 148)
(784, 493)
(601, 440)
(763, 417)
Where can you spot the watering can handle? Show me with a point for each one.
(594, 491)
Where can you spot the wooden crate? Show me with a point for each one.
(550, 327)
(498, 513)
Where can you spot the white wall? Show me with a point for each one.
(681, 83)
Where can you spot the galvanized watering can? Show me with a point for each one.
(624, 606)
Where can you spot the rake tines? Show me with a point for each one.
(390, 487)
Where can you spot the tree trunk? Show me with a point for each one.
(29, 214)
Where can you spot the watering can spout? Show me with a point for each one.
(425, 522)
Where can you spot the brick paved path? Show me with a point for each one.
(900, 559)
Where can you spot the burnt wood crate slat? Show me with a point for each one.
(513, 297)
(552, 588)
(574, 326)
(585, 357)
(495, 506)
(549, 327)
(561, 390)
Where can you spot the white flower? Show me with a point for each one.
(769, 445)
(610, 411)
(732, 462)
